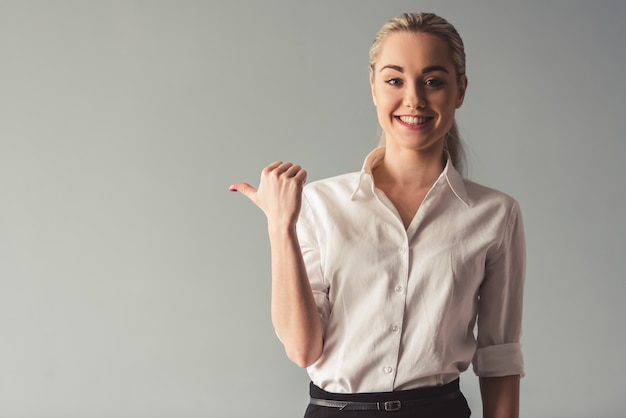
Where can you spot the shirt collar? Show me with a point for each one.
(374, 158)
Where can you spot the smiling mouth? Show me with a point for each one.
(414, 120)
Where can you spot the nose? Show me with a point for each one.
(414, 98)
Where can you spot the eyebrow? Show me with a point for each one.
(424, 70)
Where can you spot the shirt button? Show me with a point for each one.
(402, 250)
(387, 369)
(399, 289)
(395, 328)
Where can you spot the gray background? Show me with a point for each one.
(133, 284)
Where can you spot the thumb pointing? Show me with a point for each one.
(243, 188)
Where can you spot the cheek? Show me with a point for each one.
(382, 115)
(387, 101)
(445, 104)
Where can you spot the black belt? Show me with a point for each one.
(389, 406)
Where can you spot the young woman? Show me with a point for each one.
(379, 277)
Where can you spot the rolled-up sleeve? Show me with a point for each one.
(309, 245)
(498, 350)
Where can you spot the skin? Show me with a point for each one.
(414, 76)
(500, 396)
(294, 313)
(420, 83)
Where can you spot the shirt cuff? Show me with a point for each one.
(499, 360)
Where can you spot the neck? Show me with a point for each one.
(410, 168)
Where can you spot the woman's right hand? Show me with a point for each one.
(279, 194)
(294, 312)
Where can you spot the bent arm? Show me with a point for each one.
(498, 360)
(500, 396)
(294, 313)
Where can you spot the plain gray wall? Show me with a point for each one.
(133, 284)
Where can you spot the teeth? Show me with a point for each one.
(413, 120)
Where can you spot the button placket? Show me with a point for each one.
(397, 293)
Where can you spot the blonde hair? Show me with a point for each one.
(432, 24)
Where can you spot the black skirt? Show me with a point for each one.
(445, 401)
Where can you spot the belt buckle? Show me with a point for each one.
(391, 406)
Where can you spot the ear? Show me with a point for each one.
(373, 90)
(462, 89)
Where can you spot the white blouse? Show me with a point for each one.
(399, 306)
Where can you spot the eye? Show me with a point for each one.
(433, 82)
(396, 82)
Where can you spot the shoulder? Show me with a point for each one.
(496, 211)
(332, 187)
(325, 202)
(329, 197)
(483, 196)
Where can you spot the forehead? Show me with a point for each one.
(409, 49)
